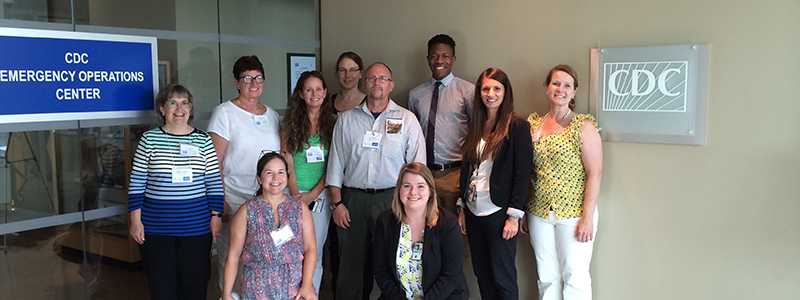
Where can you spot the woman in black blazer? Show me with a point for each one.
(495, 184)
(418, 250)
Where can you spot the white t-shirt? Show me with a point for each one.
(249, 136)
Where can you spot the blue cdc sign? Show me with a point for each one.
(65, 76)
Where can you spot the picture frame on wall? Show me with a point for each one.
(296, 64)
(164, 74)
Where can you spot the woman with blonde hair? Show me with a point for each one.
(418, 249)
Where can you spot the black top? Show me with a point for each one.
(442, 259)
(511, 180)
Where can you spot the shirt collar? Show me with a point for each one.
(392, 106)
(445, 81)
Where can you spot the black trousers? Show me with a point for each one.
(330, 263)
(177, 267)
(493, 258)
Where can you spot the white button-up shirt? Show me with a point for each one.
(352, 164)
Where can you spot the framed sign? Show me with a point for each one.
(50, 76)
(296, 64)
(164, 74)
(651, 94)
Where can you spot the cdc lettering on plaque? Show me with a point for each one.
(655, 94)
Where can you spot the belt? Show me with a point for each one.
(370, 191)
(447, 166)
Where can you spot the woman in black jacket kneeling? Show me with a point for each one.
(418, 249)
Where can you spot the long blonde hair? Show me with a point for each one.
(432, 208)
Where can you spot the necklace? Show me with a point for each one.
(561, 119)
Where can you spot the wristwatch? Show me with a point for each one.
(335, 205)
(216, 214)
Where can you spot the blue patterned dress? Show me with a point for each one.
(272, 272)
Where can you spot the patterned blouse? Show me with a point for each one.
(271, 271)
(409, 268)
(559, 170)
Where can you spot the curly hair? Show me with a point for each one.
(295, 127)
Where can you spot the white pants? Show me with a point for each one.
(562, 261)
(322, 218)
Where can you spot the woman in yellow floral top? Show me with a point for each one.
(563, 210)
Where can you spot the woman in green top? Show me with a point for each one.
(306, 133)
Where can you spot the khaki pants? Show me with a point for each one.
(447, 188)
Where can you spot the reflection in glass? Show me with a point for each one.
(50, 11)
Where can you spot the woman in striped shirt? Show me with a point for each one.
(175, 200)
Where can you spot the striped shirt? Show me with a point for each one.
(174, 203)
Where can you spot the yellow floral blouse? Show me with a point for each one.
(560, 176)
(409, 268)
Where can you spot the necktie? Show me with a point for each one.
(432, 123)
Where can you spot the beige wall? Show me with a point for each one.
(712, 222)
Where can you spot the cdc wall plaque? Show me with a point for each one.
(651, 94)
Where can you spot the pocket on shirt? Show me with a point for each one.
(393, 145)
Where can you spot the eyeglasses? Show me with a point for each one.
(251, 79)
(379, 79)
(345, 71)
(173, 104)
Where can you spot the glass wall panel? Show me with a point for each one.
(153, 14)
(34, 188)
(269, 29)
(36, 267)
(197, 68)
(63, 193)
(48, 11)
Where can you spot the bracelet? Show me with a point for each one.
(335, 205)
(216, 214)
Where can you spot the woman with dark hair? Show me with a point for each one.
(418, 251)
(494, 201)
(175, 200)
(306, 137)
(274, 236)
(349, 69)
(242, 129)
(563, 209)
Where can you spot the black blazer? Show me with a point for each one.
(442, 259)
(510, 181)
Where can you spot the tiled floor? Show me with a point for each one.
(33, 266)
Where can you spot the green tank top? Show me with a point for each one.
(308, 173)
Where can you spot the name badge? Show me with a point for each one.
(471, 192)
(181, 174)
(372, 140)
(317, 206)
(314, 154)
(393, 126)
(416, 251)
(189, 150)
(260, 120)
(282, 235)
